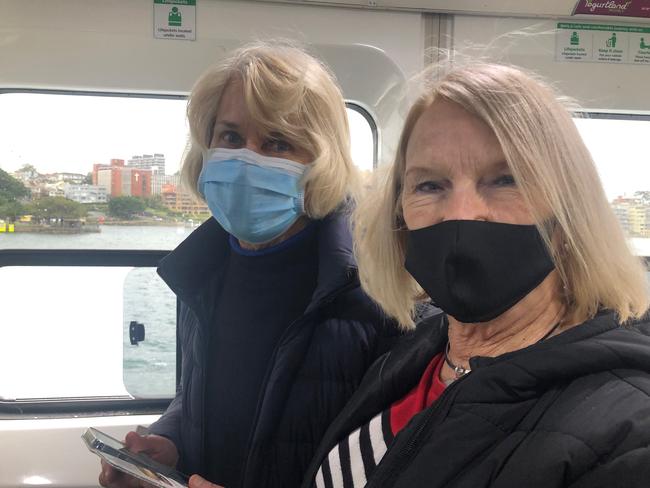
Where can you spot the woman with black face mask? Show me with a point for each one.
(537, 374)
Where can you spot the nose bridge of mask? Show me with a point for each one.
(251, 157)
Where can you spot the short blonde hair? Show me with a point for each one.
(286, 91)
(555, 174)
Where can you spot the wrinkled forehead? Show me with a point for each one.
(446, 136)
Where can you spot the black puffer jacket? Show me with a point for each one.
(317, 364)
(572, 411)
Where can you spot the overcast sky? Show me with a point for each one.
(63, 133)
(58, 133)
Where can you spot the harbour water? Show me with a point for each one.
(110, 237)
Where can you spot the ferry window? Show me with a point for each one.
(66, 334)
(362, 138)
(618, 145)
(93, 171)
(149, 364)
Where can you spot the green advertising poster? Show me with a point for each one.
(174, 19)
(602, 43)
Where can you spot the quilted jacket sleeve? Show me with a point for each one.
(169, 424)
(630, 470)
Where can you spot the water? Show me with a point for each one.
(110, 237)
(149, 369)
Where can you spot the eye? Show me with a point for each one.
(230, 138)
(428, 187)
(277, 145)
(504, 180)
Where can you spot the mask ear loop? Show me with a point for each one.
(400, 223)
(561, 253)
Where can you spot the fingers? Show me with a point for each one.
(197, 482)
(110, 477)
(135, 442)
(158, 448)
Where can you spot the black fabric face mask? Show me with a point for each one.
(475, 270)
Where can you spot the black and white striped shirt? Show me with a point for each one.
(351, 462)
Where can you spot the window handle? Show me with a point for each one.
(136, 332)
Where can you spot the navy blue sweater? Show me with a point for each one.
(282, 279)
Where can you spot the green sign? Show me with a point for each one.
(176, 2)
(174, 19)
(602, 43)
(602, 27)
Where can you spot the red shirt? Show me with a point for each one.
(423, 395)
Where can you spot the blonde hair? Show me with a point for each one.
(286, 91)
(555, 174)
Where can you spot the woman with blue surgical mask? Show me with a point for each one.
(275, 331)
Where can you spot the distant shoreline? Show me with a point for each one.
(22, 228)
(161, 223)
(27, 228)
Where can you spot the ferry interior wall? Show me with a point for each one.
(93, 131)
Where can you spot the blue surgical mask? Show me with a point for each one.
(253, 197)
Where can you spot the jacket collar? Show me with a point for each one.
(597, 345)
(191, 267)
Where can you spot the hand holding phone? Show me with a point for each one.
(139, 461)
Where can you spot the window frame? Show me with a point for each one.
(611, 115)
(614, 115)
(373, 129)
(87, 406)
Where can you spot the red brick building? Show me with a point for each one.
(122, 181)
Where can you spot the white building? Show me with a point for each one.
(154, 162)
(74, 178)
(85, 193)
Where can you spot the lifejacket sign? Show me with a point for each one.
(174, 19)
(619, 8)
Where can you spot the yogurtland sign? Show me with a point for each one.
(630, 8)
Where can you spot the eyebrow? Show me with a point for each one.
(415, 171)
(227, 124)
(502, 164)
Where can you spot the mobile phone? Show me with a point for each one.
(135, 464)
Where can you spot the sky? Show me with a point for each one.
(63, 133)
(67, 133)
(620, 150)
